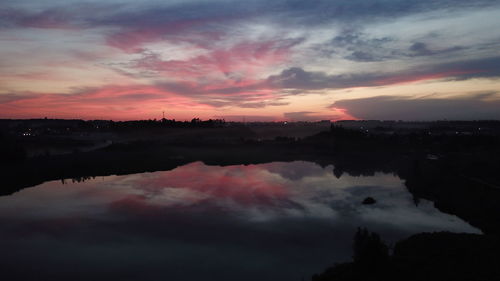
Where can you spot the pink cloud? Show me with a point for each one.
(110, 102)
(132, 40)
(222, 73)
(245, 185)
(245, 59)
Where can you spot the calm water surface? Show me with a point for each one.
(276, 221)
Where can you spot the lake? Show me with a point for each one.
(274, 221)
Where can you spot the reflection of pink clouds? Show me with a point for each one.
(245, 185)
(135, 204)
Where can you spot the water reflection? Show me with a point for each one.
(271, 221)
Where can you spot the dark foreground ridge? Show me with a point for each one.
(454, 165)
(425, 256)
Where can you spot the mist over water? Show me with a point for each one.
(274, 221)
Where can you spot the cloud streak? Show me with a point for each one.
(104, 103)
(483, 106)
(298, 78)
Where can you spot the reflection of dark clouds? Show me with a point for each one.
(351, 204)
(192, 244)
(222, 232)
(386, 198)
(194, 250)
(295, 170)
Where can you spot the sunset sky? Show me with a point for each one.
(259, 60)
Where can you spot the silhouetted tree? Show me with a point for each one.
(337, 171)
(369, 249)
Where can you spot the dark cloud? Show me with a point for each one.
(253, 104)
(55, 17)
(180, 88)
(261, 104)
(307, 116)
(468, 69)
(359, 11)
(350, 38)
(12, 97)
(283, 11)
(247, 101)
(364, 56)
(241, 118)
(421, 49)
(298, 78)
(360, 46)
(357, 46)
(277, 103)
(471, 107)
(141, 96)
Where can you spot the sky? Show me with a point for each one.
(251, 60)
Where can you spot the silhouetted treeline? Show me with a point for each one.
(11, 152)
(31, 127)
(427, 256)
(445, 127)
(167, 123)
(79, 179)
